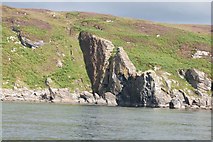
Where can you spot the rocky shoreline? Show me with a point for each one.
(64, 96)
(111, 71)
(116, 82)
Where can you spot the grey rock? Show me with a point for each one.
(205, 100)
(101, 101)
(96, 96)
(198, 79)
(200, 54)
(96, 52)
(181, 96)
(82, 101)
(182, 73)
(48, 81)
(28, 43)
(115, 73)
(75, 96)
(110, 99)
(88, 97)
(175, 104)
(16, 29)
(194, 107)
(38, 43)
(59, 64)
(201, 84)
(22, 94)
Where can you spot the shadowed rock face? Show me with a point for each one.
(114, 74)
(96, 52)
(120, 69)
(117, 74)
(198, 79)
(130, 87)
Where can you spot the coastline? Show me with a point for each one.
(64, 96)
(61, 96)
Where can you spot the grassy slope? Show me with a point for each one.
(171, 51)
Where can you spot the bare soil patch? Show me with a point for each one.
(201, 29)
(186, 50)
(29, 22)
(152, 29)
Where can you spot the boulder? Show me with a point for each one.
(48, 81)
(198, 79)
(181, 96)
(175, 104)
(88, 97)
(110, 99)
(82, 101)
(143, 90)
(96, 96)
(205, 100)
(201, 84)
(28, 43)
(59, 64)
(201, 54)
(101, 101)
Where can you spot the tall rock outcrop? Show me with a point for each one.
(96, 52)
(130, 87)
(112, 73)
(119, 70)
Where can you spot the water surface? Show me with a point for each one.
(25, 121)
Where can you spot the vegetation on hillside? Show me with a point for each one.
(148, 45)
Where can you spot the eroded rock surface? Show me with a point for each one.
(198, 79)
(62, 95)
(113, 73)
(96, 52)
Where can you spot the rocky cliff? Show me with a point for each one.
(95, 58)
(111, 72)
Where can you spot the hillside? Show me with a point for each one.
(148, 45)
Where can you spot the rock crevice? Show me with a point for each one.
(112, 72)
(96, 55)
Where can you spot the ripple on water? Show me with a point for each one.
(56, 122)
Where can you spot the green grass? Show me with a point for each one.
(145, 50)
(33, 66)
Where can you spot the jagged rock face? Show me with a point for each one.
(143, 90)
(201, 84)
(96, 52)
(120, 69)
(130, 87)
(138, 91)
(198, 79)
(117, 74)
(114, 74)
